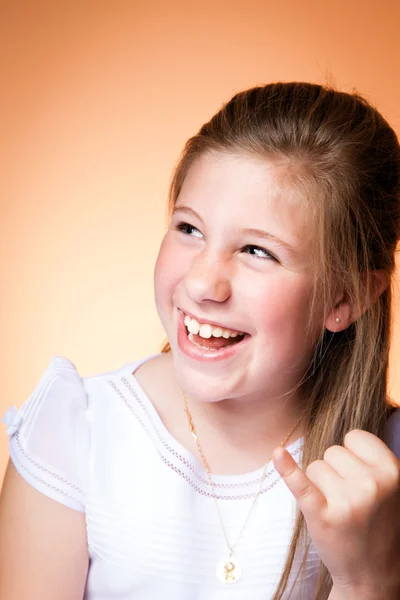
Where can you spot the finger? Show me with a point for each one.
(346, 464)
(326, 479)
(370, 449)
(309, 498)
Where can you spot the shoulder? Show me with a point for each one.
(64, 421)
(49, 434)
(59, 384)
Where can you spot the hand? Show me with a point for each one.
(351, 503)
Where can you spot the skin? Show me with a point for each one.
(43, 545)
(350, 499)
(265, 293)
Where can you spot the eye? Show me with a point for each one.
(187, 229)
(259, 252)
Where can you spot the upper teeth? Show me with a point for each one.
(206, 331)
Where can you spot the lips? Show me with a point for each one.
(203, 354)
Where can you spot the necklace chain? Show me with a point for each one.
(210, 481)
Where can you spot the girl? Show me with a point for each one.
(168, 478)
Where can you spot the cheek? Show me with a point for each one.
(284, 309)
(167, 271)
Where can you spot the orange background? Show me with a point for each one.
(97, 100)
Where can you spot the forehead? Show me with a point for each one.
(248, 190)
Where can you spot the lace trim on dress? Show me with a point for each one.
(14, 418)
(41, 468)
(43, 481)
(201, 485)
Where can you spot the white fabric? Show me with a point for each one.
(98, 445)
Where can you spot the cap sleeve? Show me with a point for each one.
(49, 435)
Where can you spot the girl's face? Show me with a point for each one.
(238, 254)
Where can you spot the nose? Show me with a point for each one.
(208, 279)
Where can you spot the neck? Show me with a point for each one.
(237, 435)
(245, 431)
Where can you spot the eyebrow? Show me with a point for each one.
(260, 233)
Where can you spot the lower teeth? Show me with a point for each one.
(190, 337)
(204, 347)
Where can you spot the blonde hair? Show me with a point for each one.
(350, 162)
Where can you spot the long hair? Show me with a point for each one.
(349, 160)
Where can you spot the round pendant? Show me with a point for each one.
(229, 571)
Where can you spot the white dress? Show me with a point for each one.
(97, 445)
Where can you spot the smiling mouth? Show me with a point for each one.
(213, 343)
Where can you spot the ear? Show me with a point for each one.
(344, 313)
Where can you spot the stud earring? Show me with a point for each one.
(337, 319)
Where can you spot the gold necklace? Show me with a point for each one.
(229, 570)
